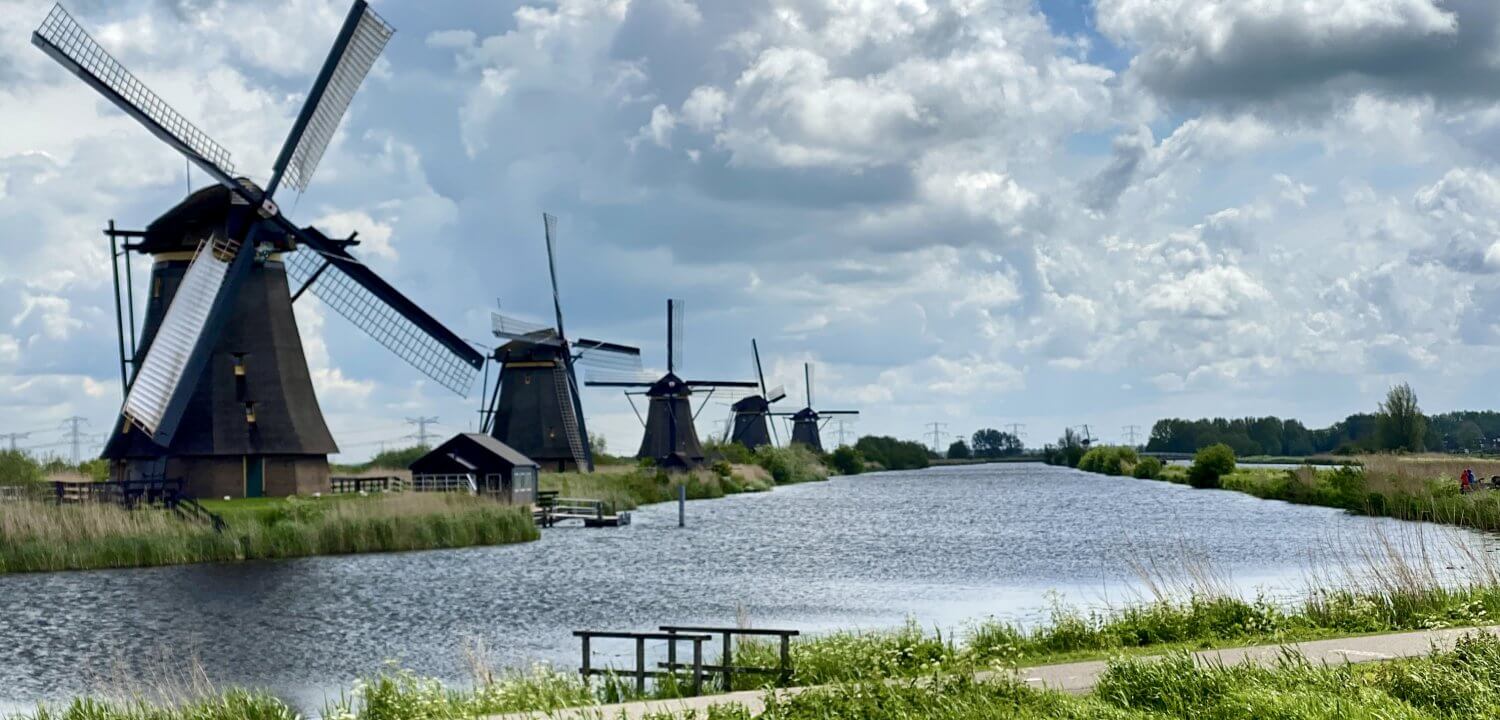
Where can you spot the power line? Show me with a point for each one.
(937, 432)
(75, 434)
(841, 432)
(1017, 430)
(14, 437)
(421, 434)
(1132, 432)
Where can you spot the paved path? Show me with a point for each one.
(1076, 677)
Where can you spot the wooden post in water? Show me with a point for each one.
(682, 505)
(786, 661)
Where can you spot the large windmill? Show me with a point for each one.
(807, 423)
(671, 440)
(219, 392)
(536, 407)
(751, 426)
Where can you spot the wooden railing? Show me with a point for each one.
(726, 667)
(639, 671)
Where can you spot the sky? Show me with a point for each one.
(977, 213)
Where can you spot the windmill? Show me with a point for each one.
(535, 407)
(807, 423)
(219, 391)
(750, 426)
(671, 440)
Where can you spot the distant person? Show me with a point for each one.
(1466, 481)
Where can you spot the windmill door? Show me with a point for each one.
(255, 477)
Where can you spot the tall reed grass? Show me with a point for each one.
(39, 536)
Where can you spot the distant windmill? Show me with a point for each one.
(219, 391)
(751, 427)
(807, 422)
(671, 440)
(536, 407)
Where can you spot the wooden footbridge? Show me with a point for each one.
(550, 510)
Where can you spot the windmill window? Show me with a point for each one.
(156, 288)
(239, 365)
(528, 379)
(250, 413)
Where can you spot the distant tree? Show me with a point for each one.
(992, 443)
(1068, 450)
(893, 454)
(1468, 436)
(1401, 425)
(18, 468)
(958, 450)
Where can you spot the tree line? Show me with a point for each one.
(1398, 423)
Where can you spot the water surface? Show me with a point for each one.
(941, 546)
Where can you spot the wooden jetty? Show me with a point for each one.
(550, 509)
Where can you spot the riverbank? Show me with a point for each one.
(42, 536)
(627, 487)
(909, 673)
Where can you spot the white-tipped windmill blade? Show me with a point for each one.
(257, 229)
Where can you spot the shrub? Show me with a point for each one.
(847, 461)
(1108, 460)
(17, 468)
(733, 452)
(1211, 464)
(795, 464)
(893, 454)
(1149, 468)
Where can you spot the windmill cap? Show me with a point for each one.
(187, 222)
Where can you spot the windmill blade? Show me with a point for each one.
(676, 310)
(62, 38)
(549, 225)
(759, 374)
(505, 326)
(807, 371)
(620, 379)
(355, 49)
(598, 355)
(776, 394)
(362, 297)
(838, 412)
(186, 337)
(719, 384)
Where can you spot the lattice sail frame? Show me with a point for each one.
(69, 38)
(381, 321)
(679, 334)
(369, 39)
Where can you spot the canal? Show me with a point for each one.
(940, 546)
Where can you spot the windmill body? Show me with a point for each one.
(253, 416)
(671, 439)
(536, 407)
(218, 393)
(807, 423)
(751, 424)
(534, 398)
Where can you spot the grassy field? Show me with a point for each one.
(40, 536)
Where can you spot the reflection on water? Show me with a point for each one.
(941, 546)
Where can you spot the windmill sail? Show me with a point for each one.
(62, 38)
(513, 328)
(776, 394)
(358, 45)
(169, 372)
(363, 298)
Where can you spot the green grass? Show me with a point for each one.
(44, 537)
(627, 488)
(1459, 682)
